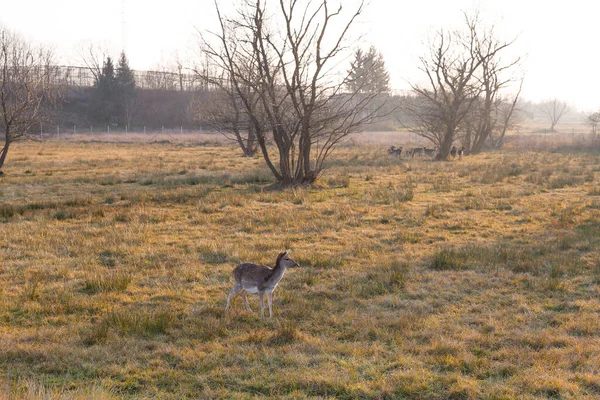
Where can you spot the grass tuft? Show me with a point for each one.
(448, 259)
(141, 322)
(112, 281)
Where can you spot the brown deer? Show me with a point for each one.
(258, 279)
(395, 151)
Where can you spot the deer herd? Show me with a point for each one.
(422, 152)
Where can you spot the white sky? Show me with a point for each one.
(557, 39)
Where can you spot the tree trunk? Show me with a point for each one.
(260, 138)
(3, 153)
(478, 145)
(468, 141)
(446, 145)
(250, 145)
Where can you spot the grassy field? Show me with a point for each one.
(472, 279)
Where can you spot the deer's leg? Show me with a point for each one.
(270, 301)
(245, 295)
(262, 304)
(236, 289)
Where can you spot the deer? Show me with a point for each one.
(258, 279)
(429, 152)
(417, 151)
(395, 151)
(453, 151)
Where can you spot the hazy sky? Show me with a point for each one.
(559, 40)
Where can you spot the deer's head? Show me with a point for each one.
(285, 261)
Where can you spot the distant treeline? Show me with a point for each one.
(153, 108)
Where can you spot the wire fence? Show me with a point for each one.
(180, 135)
(108, 134)
(75, 76)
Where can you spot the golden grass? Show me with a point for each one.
(467, 279)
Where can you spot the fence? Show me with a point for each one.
(180, 134)
(158, 80)
(109, 134)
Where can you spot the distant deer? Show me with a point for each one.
(417, 151)
(429, 152)
(395, 151)
(453, 151)
(258, 279)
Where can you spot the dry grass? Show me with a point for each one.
(468, 279)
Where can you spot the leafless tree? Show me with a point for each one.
(451, 91)
(508, 117)
(495, 111)
(489, 121)
(553, 111)
(290, 63)
(25, 88)
(465, 75)
(223, 108)
(593, 121)
(93, 57)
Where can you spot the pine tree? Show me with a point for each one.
(103, 103)
(126, 93)
(368, 73)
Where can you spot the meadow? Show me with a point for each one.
(470, 279)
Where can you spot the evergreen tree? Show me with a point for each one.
(103, 102)
(368, 73)
(126, 93)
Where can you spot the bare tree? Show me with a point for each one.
(593, 120)
(25, 88)
(553, 111)
(444, 103)
(93, 57)
(290, 63)
(495, 111)
(508, 117)
(224, 109)
(465, 75)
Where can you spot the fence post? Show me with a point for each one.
(58, 132)
(74, 129)
(163, 132)
(41, 133)
(108, 131)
